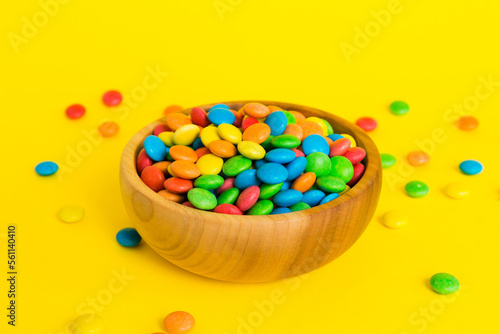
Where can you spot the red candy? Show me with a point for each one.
(112, 98)
(189, 204)
(247, 121)
(202, 151)
(340, 147)
(177, 185)
(160, 128)
(355, 154)
(359, 169)
(199, 117)
(298, 153)
(367, 123)
(238, 118)
(248, 198)
(228, 183)
(153, 177)
(75, 111)
(143, 161)
(228, 209)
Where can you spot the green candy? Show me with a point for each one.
(269, 190)
(331, 184)
(341, 168)
(209, 182)
(328, 126)
(285, 141)
(290, 119)
(236, 165)
(202, 199)
(416, 189)
(229, 196)
(388, 160)
(399, 108)
(267, 143)
(299, 206)
(262, 207)
(318, 163)
(444, 283)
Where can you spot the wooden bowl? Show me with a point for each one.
(252, 248)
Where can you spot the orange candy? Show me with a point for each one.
(418, 158)
(185, 169)
(176, 120)
(304, 182)
(181, 152)
(273, 108)
(256, 110)
(311, 128)
(108, 129)
(294, 130)
(299, 118)
(329, 141)
(171, 109)
(163, 166)
(178, 322)
(222, 148)
(153, 177)
(202, 151)
(257, 133)
(467, 123)
(178, 198)
(177, 185)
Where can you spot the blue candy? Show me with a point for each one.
(315, 143)
(155, 148)
(259, 163)
(280, 155)
(313, 197)
(296, 167)
(246, 179)
(272, 173)
(198, 144)
(335, 136)
(287, 198)
(46, 168)
(471, 167)
(277, 211)
(128, 237)
(218, 106)
(329, 198)
(277, 121)
(221, 116)
(286, 185)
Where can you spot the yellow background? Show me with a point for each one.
(431, 54)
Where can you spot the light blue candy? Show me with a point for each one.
(198, 144)
(277, 121)
(296, 167)
(221, 116)
(329, 198)
(286, 185)
(277, 211)
(335, 136)
(219, 106)
(155, 148)
(259, 163)
(246, 179)
(315, 143)
(128, 237)
(287, 198)
(471, 167)
(272, 173)
(280, 155)
(313, 197)
(46, 168)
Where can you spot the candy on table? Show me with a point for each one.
(457, 190)
(416, 189)
(112, 98)
(71, 213)
(467, 123)
(89, 323)
(128, 237)
(258, 160)
(418, 158)
(388, 160)
(399, 108)
(108, 129)
(367, 124)
(394, 219)
(178, 322)
(471, 167)
(46, 168)
(444, 283)
(75, 111)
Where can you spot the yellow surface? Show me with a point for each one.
(434, 55)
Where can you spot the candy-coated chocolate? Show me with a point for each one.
(228, 209)
(153, 177)
(248, 198)
(202, 199)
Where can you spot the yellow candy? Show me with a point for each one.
(210, 164)
(457, 190)
(394, 219)
(347, 188)
(186, 134)
(71, 214)
(167, 138)
(353, 142)
(251, 150)
(170, 171)
(320, 122)
(86, 324)
(230, 133)
(209, 134)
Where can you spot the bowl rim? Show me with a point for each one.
(128, 169)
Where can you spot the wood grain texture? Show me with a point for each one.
(252, 248)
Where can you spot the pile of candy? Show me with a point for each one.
(258, 160)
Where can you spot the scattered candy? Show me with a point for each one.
(89, 323)
(367, 124)
(71, 214)
(75, 111)
(46, 168)
(108, 129)
(467, 123)
(128, 237)
(418, 158)
(178, 322)
(112, 98)
(388, 160)
(416, 189)
(394, 219)
(444, 283)
(457, 190)
(471, 167)
(399, 108)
